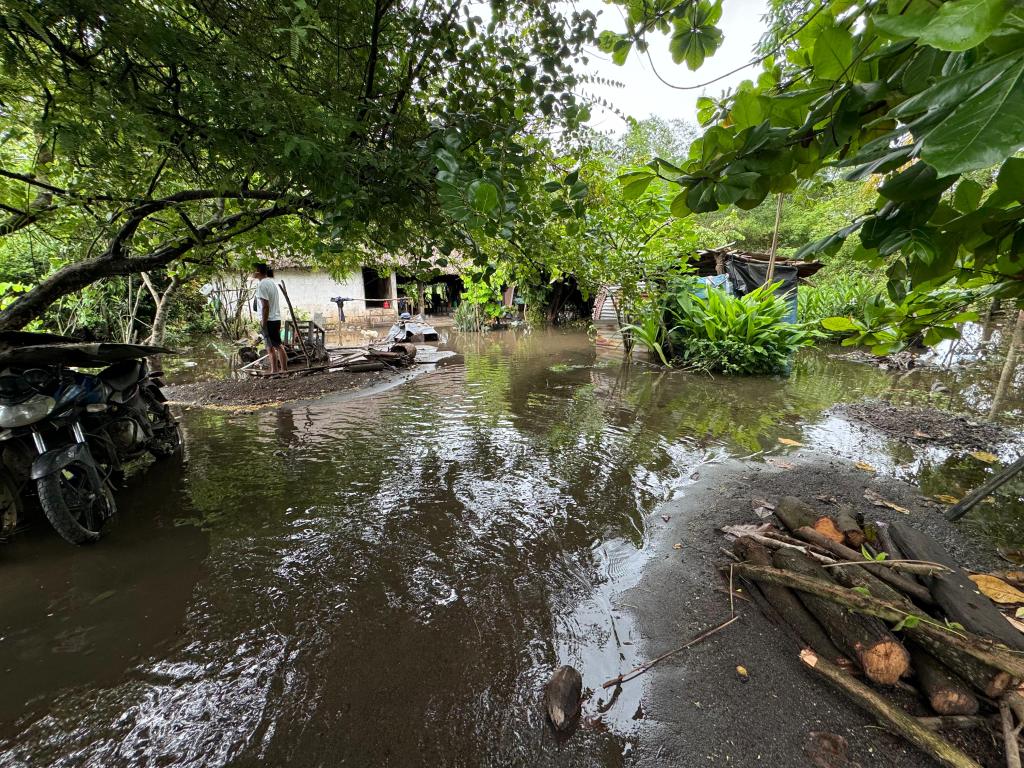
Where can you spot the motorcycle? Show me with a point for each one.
(70, 434)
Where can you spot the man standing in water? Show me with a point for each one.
(268, 307)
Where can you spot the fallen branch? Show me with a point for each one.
(922, 567)
(925, 630)
(954, 721)
(774, 542)
(1010, 744)
(843, 552)
(637, 671)
(899, 721)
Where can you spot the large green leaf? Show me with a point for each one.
(958, 25)
(833, 53)
(483, 196)
(985, 128)
(746, 110)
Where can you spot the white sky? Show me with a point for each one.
(644, 95)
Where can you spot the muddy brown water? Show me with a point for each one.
(388, 580)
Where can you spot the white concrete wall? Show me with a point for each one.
(312, 290)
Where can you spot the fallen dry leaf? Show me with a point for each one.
(742, 672)
(997, 590)
(781, 463)
(745, 529)
(922, 435)
(1017, 623)
(677, 546)
(827, 499)
(945, 498)
(762, 508)
(793, 443)
(863, 465)
(876, 498)
(988, 458)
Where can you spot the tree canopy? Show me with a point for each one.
(926, 96)
(140, 134)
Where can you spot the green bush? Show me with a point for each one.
(735, 335)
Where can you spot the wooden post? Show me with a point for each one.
(775, 242)
(295, 324)
(965, 504)
(1010, 365)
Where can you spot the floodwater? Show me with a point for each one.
(389, 580)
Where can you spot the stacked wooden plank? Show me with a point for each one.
(883, 608)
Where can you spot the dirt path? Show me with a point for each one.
(699, 710)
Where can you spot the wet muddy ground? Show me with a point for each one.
(250, 392)
(388, 579)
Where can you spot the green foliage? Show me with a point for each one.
(835, 294)
(137, 135)
(916, 95)
(735, 335)
(926, 317)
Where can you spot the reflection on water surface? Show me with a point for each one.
(389, 580)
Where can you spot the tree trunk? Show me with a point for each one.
(789, 607)
(987, 325)
(882, 657)
(958, 596)
(163, 305)
(946, 693)
(1010, 366)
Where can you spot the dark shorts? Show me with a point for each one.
(272, 333)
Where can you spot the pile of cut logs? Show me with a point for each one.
(884, 608)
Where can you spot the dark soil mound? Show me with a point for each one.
(256, 392)
(926, 425)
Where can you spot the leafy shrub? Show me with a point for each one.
(837, 294)
(736, 335)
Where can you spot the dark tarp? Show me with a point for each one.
(745, 276)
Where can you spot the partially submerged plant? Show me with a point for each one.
(736, 334)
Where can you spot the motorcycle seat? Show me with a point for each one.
(120, 376)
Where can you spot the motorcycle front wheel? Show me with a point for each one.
(75, 508)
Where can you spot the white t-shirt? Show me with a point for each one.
(267, 289)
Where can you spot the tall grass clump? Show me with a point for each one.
(836, 295)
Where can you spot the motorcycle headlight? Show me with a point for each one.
(26, 412)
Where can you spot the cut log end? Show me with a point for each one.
(953, 703)
(997, 685)
(827, 527)
(885, 662)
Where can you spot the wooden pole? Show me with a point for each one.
(965, 504)
(775, 241)
(1010, 365)
(295, 324)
